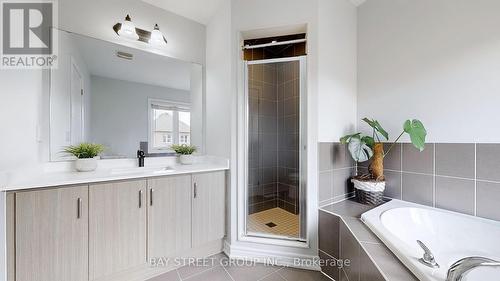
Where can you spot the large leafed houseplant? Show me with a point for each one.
(370, 187)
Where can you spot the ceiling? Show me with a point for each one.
(198, 10)
(147, 68)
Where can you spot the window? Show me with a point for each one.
(169, 123)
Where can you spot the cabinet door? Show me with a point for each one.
(169, 215)
(51, 234)
(117, 227)
(208, 207)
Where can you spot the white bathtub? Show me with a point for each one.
(449, 235)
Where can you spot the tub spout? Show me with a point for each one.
(459, 269)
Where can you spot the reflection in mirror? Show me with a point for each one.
(126, 99)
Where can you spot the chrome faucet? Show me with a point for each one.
(428, 258)
(459, 269)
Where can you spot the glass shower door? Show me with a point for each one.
(275, 182)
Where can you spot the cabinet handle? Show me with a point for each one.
(78, 208)
(151, 197)
(195, 191)
(140, 198)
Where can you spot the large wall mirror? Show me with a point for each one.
(124, 98)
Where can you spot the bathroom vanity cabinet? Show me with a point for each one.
(111, 230)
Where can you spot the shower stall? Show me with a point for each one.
(275, 147)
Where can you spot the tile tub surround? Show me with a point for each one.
(336, 167)
(461, 177)
(343, 236)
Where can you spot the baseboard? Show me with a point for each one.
(288, 259)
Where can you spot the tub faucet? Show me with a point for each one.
(459, 269)
(428, 258)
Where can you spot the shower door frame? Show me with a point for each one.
(303, 239)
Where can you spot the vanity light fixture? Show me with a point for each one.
(157, 39)
(128, 30)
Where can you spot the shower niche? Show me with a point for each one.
(275, 101)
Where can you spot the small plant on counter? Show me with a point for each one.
(370, 186)
(185, 151)
(86, 154)
(84, 150)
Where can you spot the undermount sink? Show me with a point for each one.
(142, 170)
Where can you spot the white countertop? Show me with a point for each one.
(64, 178)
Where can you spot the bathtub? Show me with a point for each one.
(449, 235)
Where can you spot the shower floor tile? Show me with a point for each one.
(274, 221)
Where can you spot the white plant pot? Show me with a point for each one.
(369, 186)
(186, 159)
(369, 192)
(86, 165)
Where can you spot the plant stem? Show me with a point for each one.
(393, 144)
(375, 133)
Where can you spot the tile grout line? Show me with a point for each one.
(434, 176)
(401, 167)
(475, 179)
(227, 272)
(278, 271)
(269, 274)
(178, 274)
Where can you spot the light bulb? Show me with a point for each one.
(127, 29)
(157, 39)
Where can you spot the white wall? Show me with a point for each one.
(20, 108)
(438, 61)
(337, 69)
(119, 117)
(219, 89)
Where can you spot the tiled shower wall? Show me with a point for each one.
(263, 138)
(458, 177)
(288, 135)
(273, 133)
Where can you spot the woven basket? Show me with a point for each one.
(369, 192)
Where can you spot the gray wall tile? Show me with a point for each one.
(325, 156)
(329, 235)
(325, 188)
(488, 195)
(368, 270)
(341, 182)
(329, 267)
(392, 184)
(455, 159)
(393, 159)
(416, 161)
(350, 250)
(488, 159)
(418, 188)
(341, 156)
(455, 194)
(268, 108)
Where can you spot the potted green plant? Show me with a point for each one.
(370, 187)
(185, 153)
(86, 154)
